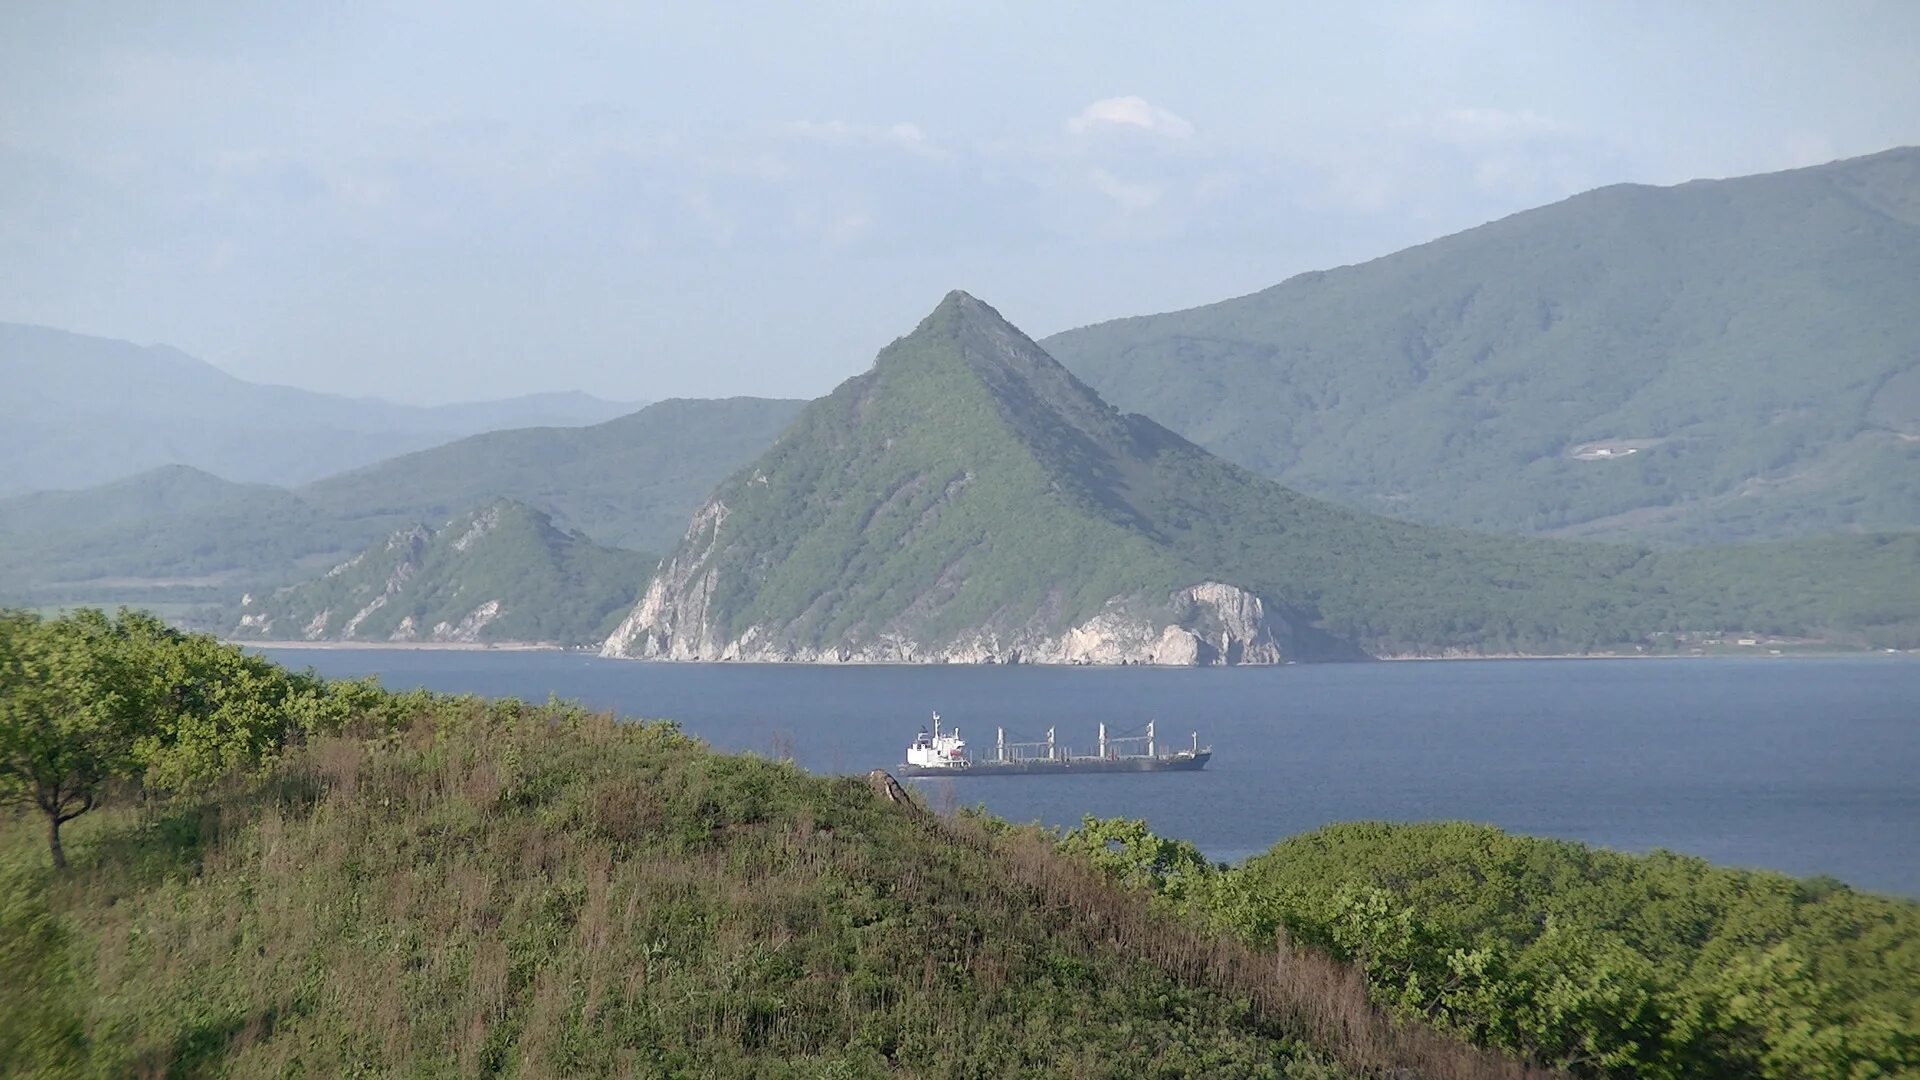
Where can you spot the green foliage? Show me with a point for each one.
(1756, 335)
(969, 484)
(631, 482)
(1606, 964)
(500, 573)
(89, 702)
(455, 887)
(1125, 849)
(70, 711)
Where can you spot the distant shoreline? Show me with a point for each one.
(1401, 658)
(419, 646)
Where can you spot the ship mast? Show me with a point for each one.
(1103, 740)
(1052, 754)
(1000, 743)
(1150, 738)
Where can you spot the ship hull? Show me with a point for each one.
(1065, 767)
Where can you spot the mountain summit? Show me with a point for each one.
(968, 499)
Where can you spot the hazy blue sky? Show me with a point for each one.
(433, 202)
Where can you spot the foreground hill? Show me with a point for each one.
(502, 573)
(1723, 360)
(402, 886)
(301, 877)
(81, 411)
(628, 482)
(969, 500)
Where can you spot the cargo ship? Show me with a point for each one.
(934, 752)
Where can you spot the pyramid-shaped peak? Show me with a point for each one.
(960, 310)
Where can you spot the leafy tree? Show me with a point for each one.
(69, 713)
(1603, 964)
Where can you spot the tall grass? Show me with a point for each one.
(499, 891)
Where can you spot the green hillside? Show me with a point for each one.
(377, 885)
(629, 482)
(156, 493)
(969, 489)
(180, 535)
(1755, 344)
(500, 573)
(1613, 965)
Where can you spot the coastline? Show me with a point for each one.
(419, 646)
(1395, 658)
(1808, 654)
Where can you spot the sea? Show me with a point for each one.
(1809, 766)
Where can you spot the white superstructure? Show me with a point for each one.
(938, 751)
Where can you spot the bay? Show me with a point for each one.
(1808, 766)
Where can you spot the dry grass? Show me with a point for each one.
(555, 894)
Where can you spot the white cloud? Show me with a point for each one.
(906, 136)
(1129, 113)
(1486, 127)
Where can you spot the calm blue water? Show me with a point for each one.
(1806, 766)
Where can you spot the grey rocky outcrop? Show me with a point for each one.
(1210, 623)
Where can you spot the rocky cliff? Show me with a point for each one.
(501, 573)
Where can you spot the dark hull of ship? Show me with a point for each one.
(1067, 766)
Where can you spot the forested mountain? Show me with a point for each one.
(1722, 360)
(969, 499)
(79, 411)
(157, 493)
(499, 573)
(628, 482)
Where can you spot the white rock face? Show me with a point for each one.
(468, 629)
(1206, 624)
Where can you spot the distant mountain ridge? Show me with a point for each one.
(629, 482)
(1719, 361)
(80, 411)
(500, 573)
(969, 500)
(626, 482)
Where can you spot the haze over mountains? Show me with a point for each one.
(629, 482)
(1722, 360)
(80, 411)
(969, 500)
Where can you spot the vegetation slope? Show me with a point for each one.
(1754, 342)
(501, 573)
(412, 885)
(628, 482)
(1609, 965)
(968, 481)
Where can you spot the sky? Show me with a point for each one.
(436, 202)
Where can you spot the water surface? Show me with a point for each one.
(1810, 766)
